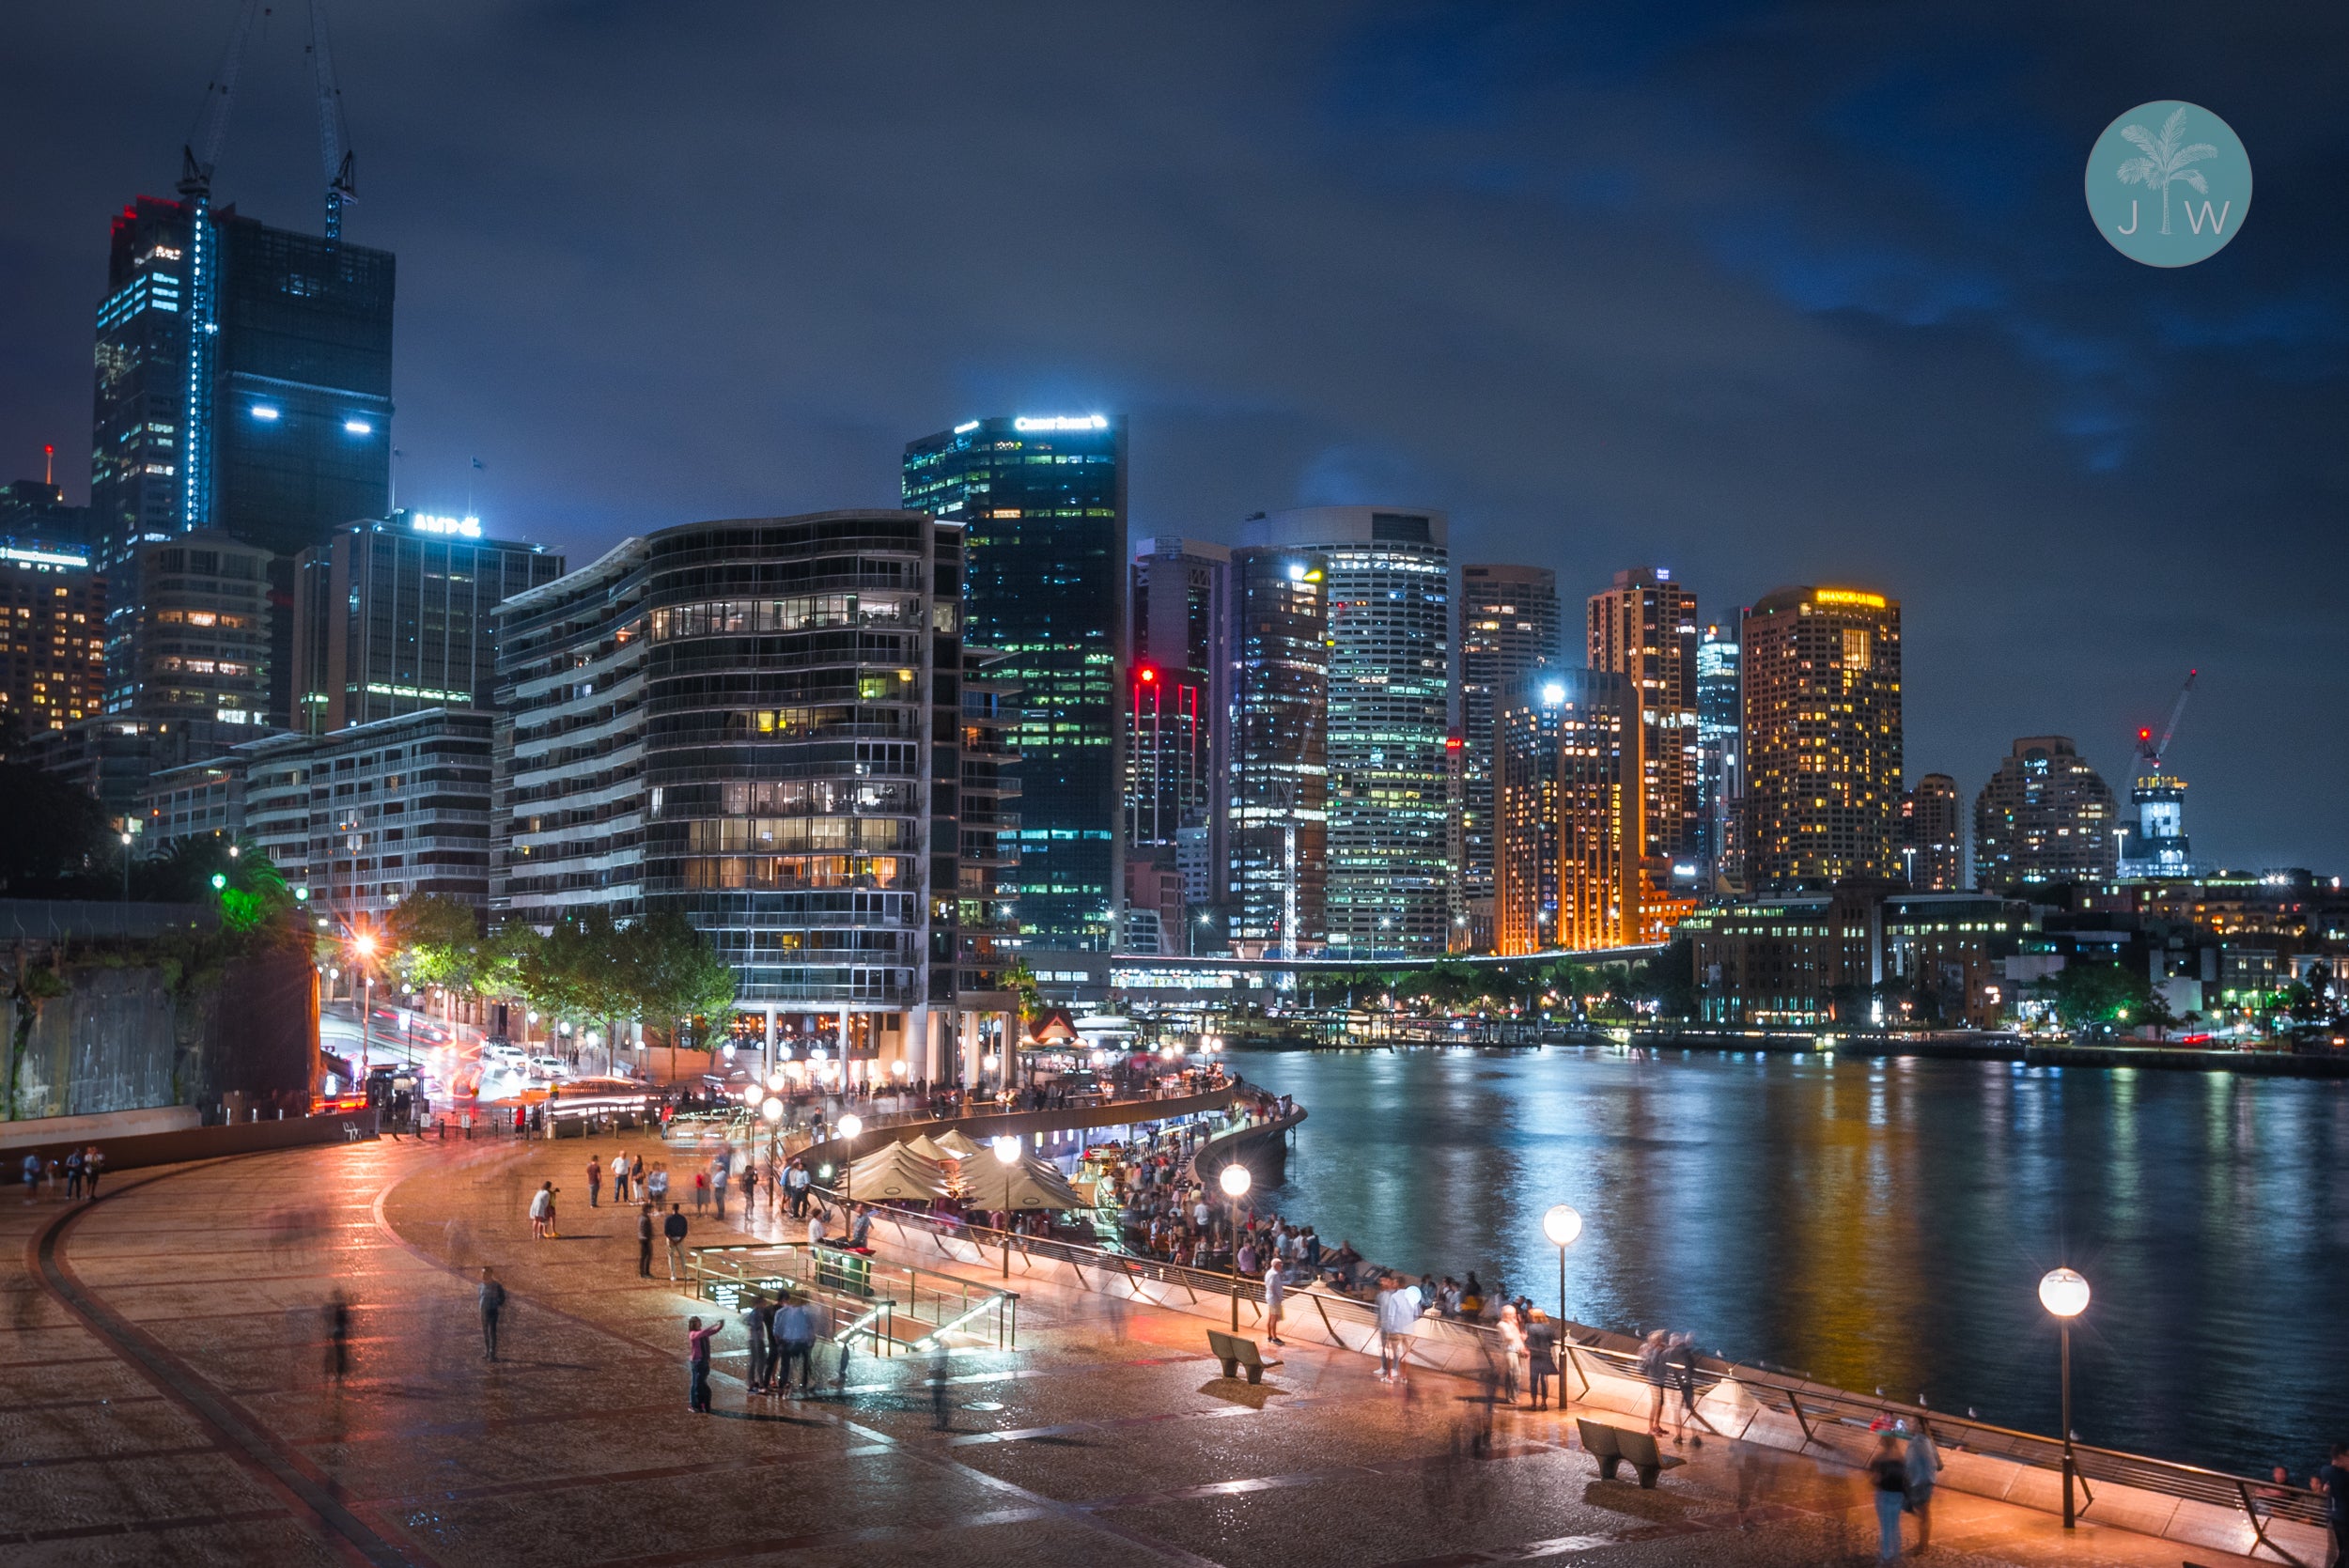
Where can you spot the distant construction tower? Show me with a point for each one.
(2156, 844)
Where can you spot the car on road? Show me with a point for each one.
(549, 1067)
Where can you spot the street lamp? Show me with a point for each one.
(850, 1126)
(1563, 1224)
(1007, 1150)
(1235, 1183)
(364, 945)
(2064, 1293)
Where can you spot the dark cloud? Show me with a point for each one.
(1766, 293)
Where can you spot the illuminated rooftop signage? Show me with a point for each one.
(42, 557)
(424, 523)
(1847, 596)
(966, 427)
(1064, 422)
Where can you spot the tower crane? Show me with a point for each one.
(196, 160)
(2149, 750)
(334, 135)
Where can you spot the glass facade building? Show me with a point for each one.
(1509, 626)
(1175, 739)
(397, 615)
(1275, 875)
(1043, 499)
(1721, 750)
(1390, 601)
(1823, 737)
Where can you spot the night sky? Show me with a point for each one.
(1764, 294)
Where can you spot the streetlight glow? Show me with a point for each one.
(1234, 1180)
(2063, 1291)
(1561, 1224)
(851, 1124)
(771, 1110)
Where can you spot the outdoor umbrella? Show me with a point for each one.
(951, 1141)
(896, 1172)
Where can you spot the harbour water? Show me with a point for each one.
(1878, 1223)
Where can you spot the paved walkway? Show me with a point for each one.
(167, 1394)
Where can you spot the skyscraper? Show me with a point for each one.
(1044, 500)
(1933, 835)
(1509, 627)
(1720, 754)
(394, 616)
(1644, 629)
(1566, 809)
(1175, 668)
(1389, 679)
(197, 641)
(1277, 785)
(281, 431)
(53, 644)
(2046, 816)
(1823, 737)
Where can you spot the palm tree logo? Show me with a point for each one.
(2163, 159)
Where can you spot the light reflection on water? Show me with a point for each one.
(1877, 1224)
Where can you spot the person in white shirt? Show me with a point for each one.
(1273, 1285)
(1398, 1310)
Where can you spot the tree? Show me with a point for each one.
(672, 972)
(2095, 994)
(2165, 160)
(435, 940)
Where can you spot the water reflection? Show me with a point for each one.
(1874, 1225)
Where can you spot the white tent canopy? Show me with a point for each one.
(1025, 1187)
(896, 1172)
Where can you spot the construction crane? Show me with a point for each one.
(196, 160)
(334, 135)
(2149, 750)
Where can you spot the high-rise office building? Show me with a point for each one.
(1566, 870)
(1509, 626)
(1390, 589)
(1644, 629)
(758, 725)
(35, 510)
(1933, 835)
(1044, 500)
(396, 617)
(53, 633)
(2046, 816)
(1275, 876)
(277, 434)
(1823, 737)
(1721, 753)
(196, 646)
(1175, 739)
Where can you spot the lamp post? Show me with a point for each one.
(1007, 1150)
(1563, 1224)
(364, 946)
(2064, 1293)
(850, 1126)
(1235, 1181)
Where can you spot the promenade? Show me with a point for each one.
(167, 1394)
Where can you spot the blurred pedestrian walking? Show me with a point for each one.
(491, 1298)
(1888, 1473)
(1924, 1473)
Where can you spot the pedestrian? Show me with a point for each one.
(750, 1190)
(673, 1228)
(795, 1180)
(657, 1189)
(697, 1363)
(1541, 1354)
(1889, 1471)
(1684, 1369)
(755, 1326)
(1512, 1350)
(701, 1191)
(74, 1174)
(1653, 1364)
(594, 1182)
(467, 1121)
(643, 1241)
(93, 1166)
(1274, 1285)
(1924, 1471)
(795, 1326)
(721, 1169)
(492, 1299)
(552, 1193)
(541, 1207)
(619, 1178)
(2332, 1480)
(1399, 1311)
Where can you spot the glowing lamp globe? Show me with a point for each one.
(771, 1110)
(1561, 1225)
(2063, 1291)
(851, 1124)
(776, 1082)
(1234, 1181)
(1006, 1149)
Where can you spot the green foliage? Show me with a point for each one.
(2090, 994)
(1022, 979)
(674, 971)
(433, 941)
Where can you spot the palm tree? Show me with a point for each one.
(2164, 160)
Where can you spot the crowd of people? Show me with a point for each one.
(77, 1171)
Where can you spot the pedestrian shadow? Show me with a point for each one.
(757, 1416)
(1233, 1391)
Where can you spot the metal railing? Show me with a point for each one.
(890, 1306)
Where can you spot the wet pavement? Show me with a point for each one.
(169, 1393)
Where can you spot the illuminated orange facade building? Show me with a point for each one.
(1822, 684)
(1567, 812)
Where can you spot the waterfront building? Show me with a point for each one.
(1933, 836)
(396, 615)
(2155, 846)
(113, 755)
(1044, 500)
(1566, 871)
(53, 633)
(1389, 592)
(1644, 629)
(1509, 626)
(1822, 683)
(2045, 817)
(1177, 709)
(1861, 954)
(757, 724)
(1275, 876)
(277, 431)
(196, 646)
(1720, 755)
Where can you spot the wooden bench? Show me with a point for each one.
(1613, 1445)
(1236, 1353)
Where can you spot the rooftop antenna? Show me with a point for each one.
(196, 160)
(334, 134)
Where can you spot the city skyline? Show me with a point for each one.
(1877, 309)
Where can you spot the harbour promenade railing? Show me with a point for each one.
(2155, 1496)
(888, 1305)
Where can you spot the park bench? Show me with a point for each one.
(1612, 1446)
(1236, 1353)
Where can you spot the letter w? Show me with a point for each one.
(2217, 225)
